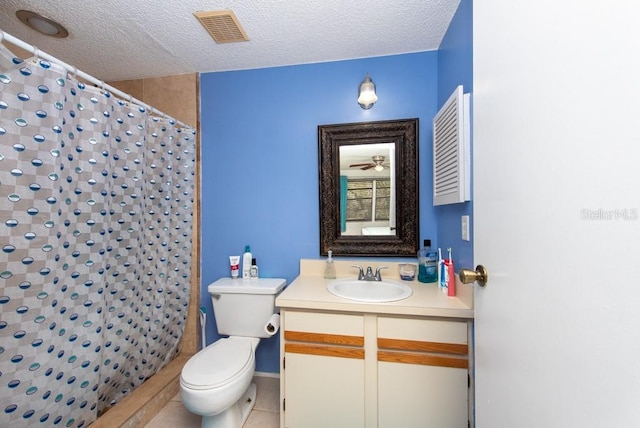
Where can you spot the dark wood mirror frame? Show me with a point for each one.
(404, 133)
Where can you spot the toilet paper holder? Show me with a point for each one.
(273, 325)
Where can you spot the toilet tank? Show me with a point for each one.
(242, 307)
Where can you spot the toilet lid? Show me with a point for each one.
(217, 364)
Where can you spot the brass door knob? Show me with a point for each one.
(481, 275)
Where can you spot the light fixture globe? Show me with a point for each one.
(367, 93)
(42, 25)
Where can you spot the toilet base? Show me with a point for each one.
(236, 415)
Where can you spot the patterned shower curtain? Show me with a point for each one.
(96, 201)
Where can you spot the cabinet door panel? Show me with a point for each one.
(421, 396)
(323, 392)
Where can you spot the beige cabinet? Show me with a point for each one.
(323, 358)
(422, 373)
(366, 370)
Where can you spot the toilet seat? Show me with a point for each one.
(217, 364)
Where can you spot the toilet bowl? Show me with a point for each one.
(216, 382)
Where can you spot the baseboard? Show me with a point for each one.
(267, 374)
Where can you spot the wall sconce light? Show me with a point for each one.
(367, 93)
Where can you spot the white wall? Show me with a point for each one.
(557, 88)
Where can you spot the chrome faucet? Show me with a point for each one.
(360, 272)
(377, 277)
(369, 276)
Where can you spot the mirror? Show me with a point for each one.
(368, 181)
(367, 174)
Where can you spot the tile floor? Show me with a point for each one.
(265, 414)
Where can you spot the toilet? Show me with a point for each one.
(216, 382)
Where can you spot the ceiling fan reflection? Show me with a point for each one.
(377, 163)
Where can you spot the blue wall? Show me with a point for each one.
(455, 67)
(260, 158)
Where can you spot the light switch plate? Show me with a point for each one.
(465, 228)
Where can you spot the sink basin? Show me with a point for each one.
(369, 291)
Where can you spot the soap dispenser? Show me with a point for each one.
(329, 268)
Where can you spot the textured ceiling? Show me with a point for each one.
(130, 39)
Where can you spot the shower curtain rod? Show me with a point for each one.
(71, 69)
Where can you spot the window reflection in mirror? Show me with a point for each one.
(367, 179)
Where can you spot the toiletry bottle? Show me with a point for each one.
(246, 263)
(451, 276)
(422, 264)
(447, 274)
(444, 279)
(234, 262)
(432, 263)
(254, 269)
(427, 263)
(329, 268)
(442, 272)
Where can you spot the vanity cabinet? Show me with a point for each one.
(422, 373)
(368, 370)
(323, 358)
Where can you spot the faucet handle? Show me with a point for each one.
(360, 273)
(378, 278)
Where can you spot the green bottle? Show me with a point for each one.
(427, 263)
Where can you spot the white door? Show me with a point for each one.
(556, 213)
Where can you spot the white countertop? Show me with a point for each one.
(308, 291)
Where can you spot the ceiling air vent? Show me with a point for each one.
(222, 25)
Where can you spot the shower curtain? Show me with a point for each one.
(96, 201)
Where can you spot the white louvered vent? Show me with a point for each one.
(223, 26)
(451, 151)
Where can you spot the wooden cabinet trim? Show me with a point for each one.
(414, 345)
(323, 350)
(423, 359)
(333, 339)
